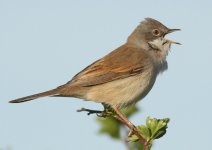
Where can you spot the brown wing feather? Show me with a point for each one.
(123, 62)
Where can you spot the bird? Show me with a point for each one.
(125, 75)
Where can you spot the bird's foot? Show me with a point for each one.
(99, 113)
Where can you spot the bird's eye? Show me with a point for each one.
(156, 32)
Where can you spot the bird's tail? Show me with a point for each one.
(53, 92)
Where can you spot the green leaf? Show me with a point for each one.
(159, 134)
(110, 126)
(133, 138)
(144, 131)
(157, 127)
(161, 128)
(152, 124)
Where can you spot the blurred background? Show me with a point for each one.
(44, 43)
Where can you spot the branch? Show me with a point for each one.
(132, 127)
(114, 112)
(154, 129)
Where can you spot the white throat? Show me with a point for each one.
(161, 47)
(161, 44)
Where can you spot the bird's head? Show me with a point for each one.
(150, 35)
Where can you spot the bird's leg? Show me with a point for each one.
(119, 116)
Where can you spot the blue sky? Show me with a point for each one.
(44, 43)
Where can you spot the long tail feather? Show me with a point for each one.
(35, 96)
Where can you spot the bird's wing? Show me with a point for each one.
(121, 63)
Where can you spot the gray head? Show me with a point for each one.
(149, 30)
(149, 35)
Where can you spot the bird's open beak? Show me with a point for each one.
(170, 41)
